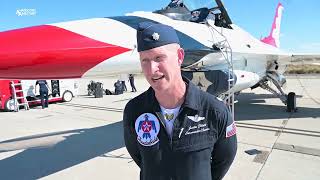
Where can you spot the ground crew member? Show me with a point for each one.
(131, 79)
(123, 78)
(175, 131)
(43, 89)
(118, 88)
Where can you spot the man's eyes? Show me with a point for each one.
(159, 59)
(145, 60)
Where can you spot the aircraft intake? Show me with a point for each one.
(213, 81)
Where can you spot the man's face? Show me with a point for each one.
(161, 66)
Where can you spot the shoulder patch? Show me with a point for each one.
(147, 128)
(231, 130)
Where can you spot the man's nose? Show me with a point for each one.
(154, 66)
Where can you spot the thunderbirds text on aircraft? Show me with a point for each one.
(220, 57)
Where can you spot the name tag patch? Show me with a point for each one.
(197, 129)
(147, 128)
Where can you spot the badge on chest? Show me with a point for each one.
(147, 128)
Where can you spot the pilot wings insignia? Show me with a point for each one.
(196, 118)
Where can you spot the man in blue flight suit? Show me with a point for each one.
(175, 131)
(43, 89)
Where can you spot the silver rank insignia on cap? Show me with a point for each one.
(155, 36)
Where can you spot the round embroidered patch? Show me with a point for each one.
(147, 128)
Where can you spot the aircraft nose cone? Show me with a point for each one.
(50, 52)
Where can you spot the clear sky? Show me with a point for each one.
(300, 27)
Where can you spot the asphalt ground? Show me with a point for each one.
(82, 139)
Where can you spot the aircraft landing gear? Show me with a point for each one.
(289, 100)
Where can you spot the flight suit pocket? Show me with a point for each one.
(150, 154)
(151, 161)
(194, 142)
(149, 149)
(192, 155)
(195, 132)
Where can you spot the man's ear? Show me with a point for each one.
(180, 56)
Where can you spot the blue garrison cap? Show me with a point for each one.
(151, 35)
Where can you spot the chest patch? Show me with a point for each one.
(147, 128)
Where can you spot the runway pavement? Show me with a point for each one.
(83, 139)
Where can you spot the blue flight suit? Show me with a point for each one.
(203, 143)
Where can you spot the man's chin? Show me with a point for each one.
(158, 87)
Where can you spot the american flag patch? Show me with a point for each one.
(231, 130)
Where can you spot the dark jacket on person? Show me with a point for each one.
(118, 88)
(42, 85)
(203, 143)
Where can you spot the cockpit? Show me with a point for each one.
(178, 10)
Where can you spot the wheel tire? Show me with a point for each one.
(67, 96)
(291, 102)
(9, 105)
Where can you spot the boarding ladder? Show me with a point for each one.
(223, 45)
(18, 96)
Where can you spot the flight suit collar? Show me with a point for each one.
(192, 98)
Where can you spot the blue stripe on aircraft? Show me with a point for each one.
(186, 41)
(194, 50)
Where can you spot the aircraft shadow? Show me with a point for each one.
(252, 106)
(102, 108)
(35, 163)
(257, 98)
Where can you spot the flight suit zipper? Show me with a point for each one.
(181, 130)
(159, 115)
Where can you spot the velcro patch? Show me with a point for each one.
(147, 128)
(231, 130)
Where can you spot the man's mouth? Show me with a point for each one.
(157, 78)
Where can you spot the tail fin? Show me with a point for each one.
(273, 38)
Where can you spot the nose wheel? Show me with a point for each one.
(291, 102)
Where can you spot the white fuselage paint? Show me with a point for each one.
(250, 56)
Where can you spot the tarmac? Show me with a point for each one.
(82, 139)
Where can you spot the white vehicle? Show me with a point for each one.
(59, 90)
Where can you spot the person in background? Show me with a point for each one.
(123, 79)
(118, 89)
(131, 79)
(43, 89)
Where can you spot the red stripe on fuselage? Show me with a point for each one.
(49, 52)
